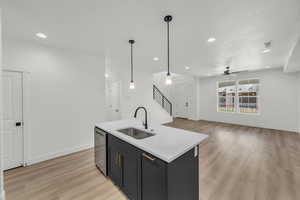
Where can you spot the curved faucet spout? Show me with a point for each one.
(146, 120)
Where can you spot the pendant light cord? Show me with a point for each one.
(168, 19)
(131, 58)
(168, 36)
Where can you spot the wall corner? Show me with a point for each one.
(2, 196)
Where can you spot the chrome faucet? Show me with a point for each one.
(146, 121)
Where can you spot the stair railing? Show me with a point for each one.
(160, 98)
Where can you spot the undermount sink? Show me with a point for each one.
(136, 133)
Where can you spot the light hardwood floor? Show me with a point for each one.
(237, 163)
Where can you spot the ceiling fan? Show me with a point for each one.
(228, 71)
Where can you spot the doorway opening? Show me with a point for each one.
(113, 95)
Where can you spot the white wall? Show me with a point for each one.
(293, 62)
(171, 91)
(278, 101)
(1, 119)
(141, 96)
(66, 96)
(298, 102)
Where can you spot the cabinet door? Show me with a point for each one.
(124, 166)
(131, 164)
(154, 180)
(115, 167)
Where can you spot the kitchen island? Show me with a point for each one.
(160, 163)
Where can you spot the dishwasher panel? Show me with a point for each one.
(100, 150)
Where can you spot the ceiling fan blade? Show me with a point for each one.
(237, 72)
(226, 74)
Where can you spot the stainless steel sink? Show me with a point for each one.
(136, 133)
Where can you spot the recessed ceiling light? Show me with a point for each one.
(41, 35)
(267, 67)
(106, 75)
(208, 74)
(155, 58)
(211, 39)
(187, 67)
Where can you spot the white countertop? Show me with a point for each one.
(167, 143)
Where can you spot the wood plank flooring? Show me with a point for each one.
(237, 163)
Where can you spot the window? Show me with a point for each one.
(248, 96)
(226, 96)
(239, 96)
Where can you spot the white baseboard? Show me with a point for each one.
(58, 154)
(2, 195)
(252, 125)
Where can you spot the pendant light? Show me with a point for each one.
(168, 19)
(131, 85)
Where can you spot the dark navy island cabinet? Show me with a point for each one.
(142, 176)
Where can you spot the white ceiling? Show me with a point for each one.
(104, 27)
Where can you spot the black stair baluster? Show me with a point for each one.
(162, 100)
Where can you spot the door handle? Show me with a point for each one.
(120, 160)
(149, 157)
(117, 159)
(18, 123)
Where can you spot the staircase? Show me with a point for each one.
(161, 99)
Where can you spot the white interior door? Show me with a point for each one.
(182, 100)
(114, 101)
(13, 117)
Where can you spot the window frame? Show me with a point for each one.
(218, 98)
(258, 98)
(236, 98)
